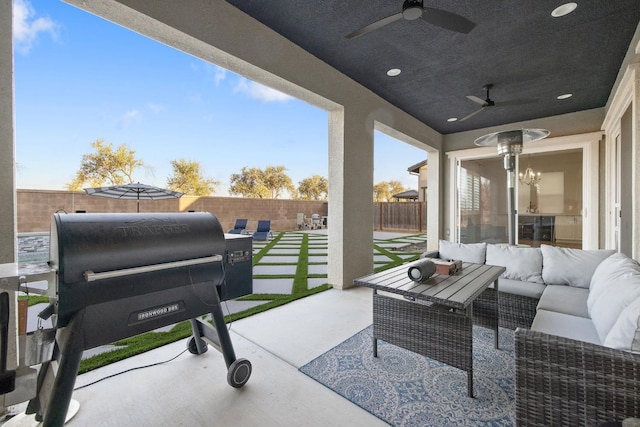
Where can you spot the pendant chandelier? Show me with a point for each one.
(529, 177)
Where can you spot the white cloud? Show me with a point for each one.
(156, 108)
(27, 27)
(261, 92)
(218, 73)
(129, 117)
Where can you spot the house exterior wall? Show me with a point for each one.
(35, 208)
(423, 183)
(623, 121)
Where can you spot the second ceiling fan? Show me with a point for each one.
(488, 102)
(414, 9)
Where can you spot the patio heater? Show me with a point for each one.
(509, 145)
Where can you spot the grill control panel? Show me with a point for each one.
(234, 257)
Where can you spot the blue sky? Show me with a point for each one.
(79, 78)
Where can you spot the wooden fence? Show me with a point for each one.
(405, 216)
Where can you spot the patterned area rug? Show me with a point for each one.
(406, 389)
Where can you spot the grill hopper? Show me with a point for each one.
(120, 275)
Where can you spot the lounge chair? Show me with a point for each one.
(239, 227)
(263, 231)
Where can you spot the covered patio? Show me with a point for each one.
(189, 390)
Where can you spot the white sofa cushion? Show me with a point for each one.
(625, 334)
(466, 252)
(518, 287)
(523, 264)
(573, 267)
(565, 299)
(607, 309)
(613, 268)
(565, 325)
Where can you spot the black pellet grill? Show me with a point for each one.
(119, 275)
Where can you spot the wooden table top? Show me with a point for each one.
(457, 291)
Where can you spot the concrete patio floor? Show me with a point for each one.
(192, 390)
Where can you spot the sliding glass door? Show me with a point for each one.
(482, 213)
(550, 199)
(556, 194)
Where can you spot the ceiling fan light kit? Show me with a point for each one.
(412, 10)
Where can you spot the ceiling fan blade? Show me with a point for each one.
(448, 20)
(476, 99)
(472, 114)
(515, 102)
(374, 26)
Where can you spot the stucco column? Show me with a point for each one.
(7, 160)
(350, 197)
(435, 200)
(635, 162)
(7, 167)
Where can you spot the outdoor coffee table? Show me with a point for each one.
(435, 318)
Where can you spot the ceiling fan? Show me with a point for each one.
(488, 102)
(414, 9)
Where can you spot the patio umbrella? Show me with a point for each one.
(134, 191)
(409, 194)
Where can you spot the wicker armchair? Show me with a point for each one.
(564, 382)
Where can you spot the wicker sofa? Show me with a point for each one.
(520, 287)
(578, 341)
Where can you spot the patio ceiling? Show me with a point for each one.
(516, 46)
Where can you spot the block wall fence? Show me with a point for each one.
(35, 208)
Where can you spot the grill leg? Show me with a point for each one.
(226, 346)
(70, 341)
(238, 370)
(58, 406)
(196, 343)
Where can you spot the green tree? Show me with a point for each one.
(106, 166)
(384, 190)
(396, 187)
(187, 178)
(315, 187)
(261, 184)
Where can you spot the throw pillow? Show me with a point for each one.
(523, 264)
(625, 334)
(573, 267)
(606, 310)
(466, 252)
(613, 268)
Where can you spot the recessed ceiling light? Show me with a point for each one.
(393, 72)
(452, 119)
(564, 9)
(565, 96)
